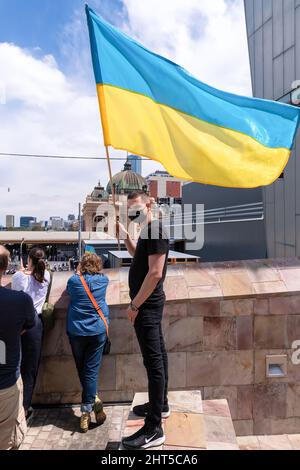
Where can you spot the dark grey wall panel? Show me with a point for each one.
(258, 14)
(289, 74)
(279, 216)
(277, 27)
(298, 235)
(288, 23)
(270, 229)
(290, 205)
(229, 241)
(289, 251)
(298, 173)
(268, 59)
(267, 10)
(249, 9)
(281, 66)
(278, 76)
(236, 242)
(269, 194)
(297, 54)
(279, 250)
(252, 60)
(259, 77)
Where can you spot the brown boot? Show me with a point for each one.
(85, 422)
(98, 410)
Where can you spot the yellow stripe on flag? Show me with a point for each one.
(187, 147)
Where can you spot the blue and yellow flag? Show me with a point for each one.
(152, 107)
(89, 249)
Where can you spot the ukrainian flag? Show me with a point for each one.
(152, 107)
(89, 249)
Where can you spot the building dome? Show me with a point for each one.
(127, 181)
(99, 193)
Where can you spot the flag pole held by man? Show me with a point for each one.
(152, 107)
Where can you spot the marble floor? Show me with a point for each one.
(58, 429)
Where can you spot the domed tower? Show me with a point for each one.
(127, 181)
(98, 198)
(99, 193)
(98, 204)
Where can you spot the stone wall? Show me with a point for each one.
(220, 322)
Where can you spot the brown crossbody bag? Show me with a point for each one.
(107, 345)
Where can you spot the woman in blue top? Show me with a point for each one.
(87, 333)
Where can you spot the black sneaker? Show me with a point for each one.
(142, 410)
(29, 416)
(144, 438)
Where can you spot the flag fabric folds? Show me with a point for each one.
(89, 249)
(152, 107)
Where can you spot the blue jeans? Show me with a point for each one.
(87, 352)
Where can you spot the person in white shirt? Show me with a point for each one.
(35, 282)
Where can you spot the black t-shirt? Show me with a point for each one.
(17, 313)
(153, 240)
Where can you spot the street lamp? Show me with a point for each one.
(295, 94)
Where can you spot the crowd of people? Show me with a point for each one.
(87, 327)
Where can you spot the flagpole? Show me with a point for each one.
(112, 191)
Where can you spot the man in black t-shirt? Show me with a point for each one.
(146, 276)
(153, 241)
(17, 314)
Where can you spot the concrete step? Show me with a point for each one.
(193, 424)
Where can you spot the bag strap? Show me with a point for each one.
(92, 299)
(49, 286)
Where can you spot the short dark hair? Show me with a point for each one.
(4, 258)
(138, 193)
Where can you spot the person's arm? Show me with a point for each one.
(19, 281)
(29, 314)
(22, 268)
(154, 275)
(124, 235)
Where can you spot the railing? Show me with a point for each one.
(240, 213)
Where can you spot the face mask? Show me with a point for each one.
(137, 216)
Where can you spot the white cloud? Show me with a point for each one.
(206, 37)
(49, 111)
(45, 114)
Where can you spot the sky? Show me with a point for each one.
(48, 101)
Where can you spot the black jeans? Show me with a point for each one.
(31, 353)
(149, 334)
